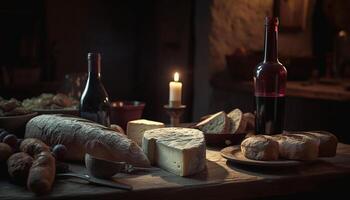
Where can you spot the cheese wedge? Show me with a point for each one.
(178, 150)
(136, 128)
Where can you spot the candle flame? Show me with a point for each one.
(176, 77)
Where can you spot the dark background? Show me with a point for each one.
(143, 43)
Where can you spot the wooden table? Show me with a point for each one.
(221, 180)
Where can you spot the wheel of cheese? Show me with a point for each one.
(260, 147)
(178, 150)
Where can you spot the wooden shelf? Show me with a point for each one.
(325, 91)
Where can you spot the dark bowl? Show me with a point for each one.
(16, 124)
(124, 111)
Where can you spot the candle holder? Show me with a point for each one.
(175, 113)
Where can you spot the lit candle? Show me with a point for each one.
(175, 88)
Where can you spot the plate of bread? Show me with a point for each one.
(287, 149)
(224, 129)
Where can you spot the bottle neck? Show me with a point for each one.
(271, 43)
(94, 65)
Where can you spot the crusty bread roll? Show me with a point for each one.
(297, 146)
(33, 146)
(18, 166)
(260, 147)
(328, 142)
(75, 133)
(42, 173)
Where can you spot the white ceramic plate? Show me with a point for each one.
(234, 154)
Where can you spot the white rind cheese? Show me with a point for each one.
(180, 151)
(136, 128)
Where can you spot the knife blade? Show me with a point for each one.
(96, 181)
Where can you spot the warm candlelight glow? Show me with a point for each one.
(175, 91)
(176, 77)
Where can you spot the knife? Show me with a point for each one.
(96, 181)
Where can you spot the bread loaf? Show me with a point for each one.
(328, 142)
(297, 147)
(217, 123)
(260, 147)
(42, 173)
(74, 133)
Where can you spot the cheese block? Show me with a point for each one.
(217, 123)
(136, 128)
(178, 150)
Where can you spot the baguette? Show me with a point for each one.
(42, 173)
(75, 133)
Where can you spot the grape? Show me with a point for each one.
(11, 140)
(18, 144)
(59, 151)
(3, 134)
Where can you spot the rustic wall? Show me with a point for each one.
(221, 26)
(240, 23)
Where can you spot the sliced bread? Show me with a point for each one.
(216, 124)
(237, 122)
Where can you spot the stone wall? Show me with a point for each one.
(240, 23)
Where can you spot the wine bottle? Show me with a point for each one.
(270, 79)
(94, 102)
